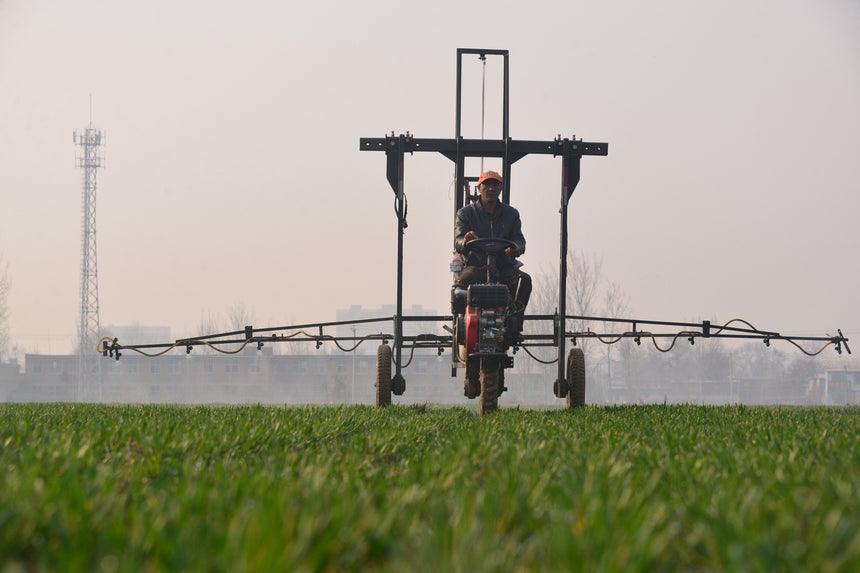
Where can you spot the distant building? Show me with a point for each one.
(837, 387)
(258, 377)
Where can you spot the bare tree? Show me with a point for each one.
(584, 285)
(239, 316)
(584, 280)
(615, 305)
(5, 287)
(208, 324)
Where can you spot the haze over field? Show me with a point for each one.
(234, 175)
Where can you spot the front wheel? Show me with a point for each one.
(489, 385)
(576, 378)
(383, 375)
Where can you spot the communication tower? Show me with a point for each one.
(90, 159)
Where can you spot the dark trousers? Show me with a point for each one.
(510, 276)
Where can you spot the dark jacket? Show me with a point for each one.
(503, 224)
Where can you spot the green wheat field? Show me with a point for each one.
(359, 488)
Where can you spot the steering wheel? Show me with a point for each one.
(489, 246)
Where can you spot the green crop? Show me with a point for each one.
(258, 488)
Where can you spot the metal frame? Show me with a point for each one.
(690, 331)
(457, 150)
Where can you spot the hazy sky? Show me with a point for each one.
(234, 176)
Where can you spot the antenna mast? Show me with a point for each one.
(90, 160)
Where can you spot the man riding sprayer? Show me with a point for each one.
(489, 218)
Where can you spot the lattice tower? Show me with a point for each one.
(89, 160)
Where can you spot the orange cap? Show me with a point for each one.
(489, 175)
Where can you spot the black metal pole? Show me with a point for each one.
(505, 100)
(401, 226)
(395, 148)
(560, 326)
(459, 94)
(571, 154)
(506, 160)
(459, 160)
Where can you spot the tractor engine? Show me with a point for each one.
(485, 331)
(485, 323)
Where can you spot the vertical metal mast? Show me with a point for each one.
(89, 367)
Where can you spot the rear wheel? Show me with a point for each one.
(383, 375)
(576, 378)
(489, 385)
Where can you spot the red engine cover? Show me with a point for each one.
(473, 319)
